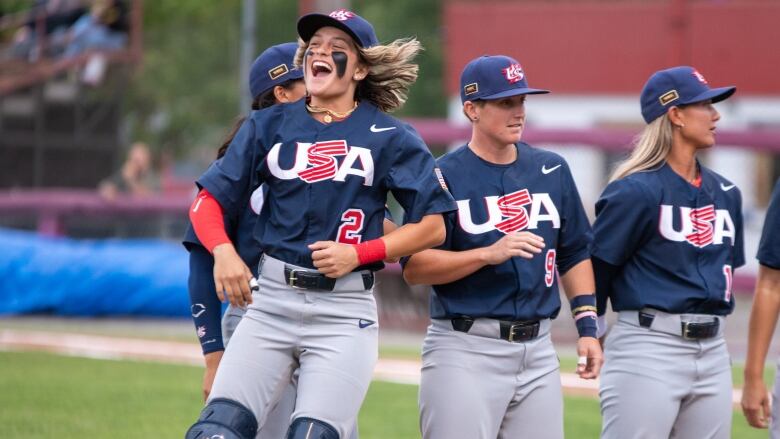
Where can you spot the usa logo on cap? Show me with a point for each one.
(342, 15)
(700, 77)
(513, 73)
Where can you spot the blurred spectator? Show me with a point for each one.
(104, 28)
(58, 17)
(136, 176)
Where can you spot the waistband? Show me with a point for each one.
(687, 326)
(306, 279)
(498, 329)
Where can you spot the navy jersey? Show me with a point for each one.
(769, 247)
(674, 245)
(326, 181)
(536, 193)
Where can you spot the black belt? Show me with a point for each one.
(517, 331)
(688, 330)
(312, 280)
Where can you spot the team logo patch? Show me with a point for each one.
(197, 309)
(513, 73)
(470, 89)
(700, 77)
(440, 177)
(669, 96)
(278, 71)
(201, 331)
(342, 15)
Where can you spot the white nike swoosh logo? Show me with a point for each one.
(727, 188)
(547, 171)
(374, 129)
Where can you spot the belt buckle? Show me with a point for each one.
(686, 328)
(291, 279)
(512, 327)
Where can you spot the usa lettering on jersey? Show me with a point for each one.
(316, 162)
(509, 213)
(699, 227)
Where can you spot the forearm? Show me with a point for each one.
(763, 319)
(579, 280)
(205, 306)
(436, 267)
(414, 237)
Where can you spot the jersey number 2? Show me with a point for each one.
(549, 268)
(352, 224)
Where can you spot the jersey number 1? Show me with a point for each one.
(351, 225)
(729, 277)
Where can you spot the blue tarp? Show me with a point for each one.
(70, 277)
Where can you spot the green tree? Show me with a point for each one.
(185, 94)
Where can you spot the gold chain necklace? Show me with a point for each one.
(330, 114)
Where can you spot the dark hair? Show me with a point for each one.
(264, 100)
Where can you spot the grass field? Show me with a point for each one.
(48, 396)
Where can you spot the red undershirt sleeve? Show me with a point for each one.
(207, 220)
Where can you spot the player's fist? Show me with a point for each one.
(590, 358)
(334, 259)
(231, 276)
(755, 403)
(522, 244)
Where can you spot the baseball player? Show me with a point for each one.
(328, 162)
(763, 319)
(667, 238)
(489, 366)
(272, 80)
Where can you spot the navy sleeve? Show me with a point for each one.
(575, 233)
(624, 220)
(738, 258)
(190, 238)
(416, 182)
(604, 273)
(229, 179)
(769, 247)
(204, 304)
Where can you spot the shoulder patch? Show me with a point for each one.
(440, 177)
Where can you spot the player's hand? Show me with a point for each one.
(334, 259)
(755, 403)
(591, 358)
(212, 363)
(523, 244)
(231, 276)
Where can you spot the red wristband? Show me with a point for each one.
(207, 220)
(371, 251)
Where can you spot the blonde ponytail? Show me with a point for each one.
(650, 149)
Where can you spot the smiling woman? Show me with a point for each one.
(320, 231)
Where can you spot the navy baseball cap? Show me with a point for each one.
(356, 26)
(494, 77)
(677, 86)
(273, 67)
